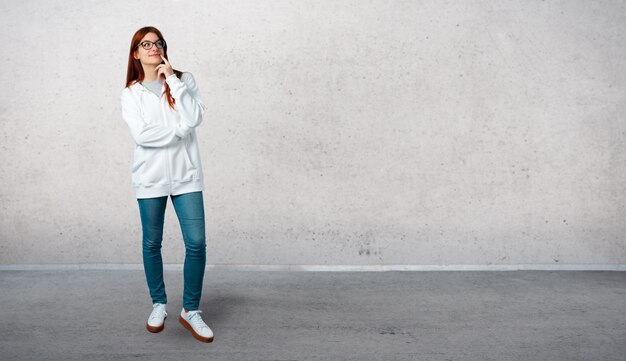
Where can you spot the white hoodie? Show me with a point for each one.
(167, 158)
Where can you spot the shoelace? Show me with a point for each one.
(158, 314)
(196, 319)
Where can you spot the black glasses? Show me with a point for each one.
(147, 45)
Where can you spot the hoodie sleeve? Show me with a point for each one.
(148, 135)
(188, 100)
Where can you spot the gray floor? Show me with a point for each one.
(517, 315)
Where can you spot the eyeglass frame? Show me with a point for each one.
(152, 43)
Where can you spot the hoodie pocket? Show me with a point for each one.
(153, 170)
(183, 169)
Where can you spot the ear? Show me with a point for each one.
(135, 55)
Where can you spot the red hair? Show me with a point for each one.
(135, 70)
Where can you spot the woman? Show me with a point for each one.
(162, 108)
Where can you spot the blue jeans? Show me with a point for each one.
(190, 211)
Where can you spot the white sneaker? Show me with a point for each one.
(156, 321)
(193, 322)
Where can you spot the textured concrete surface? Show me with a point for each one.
(360, 316)
(350, 132)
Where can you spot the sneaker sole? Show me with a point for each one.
(193, 333)
(155, 329)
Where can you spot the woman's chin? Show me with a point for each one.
(153, 60)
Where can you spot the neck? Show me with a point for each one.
(149, 72)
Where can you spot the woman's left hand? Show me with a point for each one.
(165, 69)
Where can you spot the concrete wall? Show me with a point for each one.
(339, 132)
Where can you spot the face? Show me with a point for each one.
(151, 56)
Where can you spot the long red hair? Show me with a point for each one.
(135, 70)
